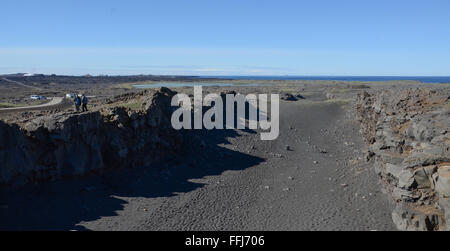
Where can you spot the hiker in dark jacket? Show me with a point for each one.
(77, 101)
(84, 100)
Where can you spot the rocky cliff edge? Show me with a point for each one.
(408, 132)
(131, 130)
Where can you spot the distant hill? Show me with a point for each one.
(88, 79)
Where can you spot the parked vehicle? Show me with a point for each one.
(37, 97)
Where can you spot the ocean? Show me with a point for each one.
(423, 79)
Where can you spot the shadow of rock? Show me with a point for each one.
(63, 204)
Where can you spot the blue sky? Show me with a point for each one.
(246, 37)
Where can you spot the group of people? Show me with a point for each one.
(81, 101)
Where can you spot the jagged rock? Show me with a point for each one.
(299, 96)
(406, 179)
(443, 182)
(423, 177)
(394, 170)
(407, 135)
(444, 203)
(61, 145)
(411, 220)
(288, 97)
(400, 194)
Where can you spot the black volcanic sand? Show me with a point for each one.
(236, 182)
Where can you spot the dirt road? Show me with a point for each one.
(53, 102)
(310, 178)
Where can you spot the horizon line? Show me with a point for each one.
(233, 75)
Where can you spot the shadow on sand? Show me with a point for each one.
(62, 205)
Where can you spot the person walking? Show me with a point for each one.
(77, 101)
(84, 100)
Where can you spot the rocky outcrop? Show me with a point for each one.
(290, 97)
(408, 132)
(63, 145)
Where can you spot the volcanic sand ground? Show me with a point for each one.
(238, 182)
